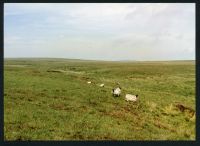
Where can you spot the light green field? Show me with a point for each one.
(49, 99)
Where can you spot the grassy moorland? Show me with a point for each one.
(49, 99)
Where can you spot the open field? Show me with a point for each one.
(49, 99)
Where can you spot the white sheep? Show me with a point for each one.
(102, 85)
(89, 82)
(130, 97)
(116, 91)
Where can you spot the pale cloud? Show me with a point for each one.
(105, 31)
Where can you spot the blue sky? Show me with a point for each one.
(100, 31)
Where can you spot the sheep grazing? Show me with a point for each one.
(116, 92)
(130, 97)
(89, 82)
(102, 85)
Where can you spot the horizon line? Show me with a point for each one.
(95, 59)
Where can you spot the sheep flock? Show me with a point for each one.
(116, 92)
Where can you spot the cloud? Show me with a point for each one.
(133, 31)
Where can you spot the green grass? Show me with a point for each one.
(49, 99)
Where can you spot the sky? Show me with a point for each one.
(103, 31)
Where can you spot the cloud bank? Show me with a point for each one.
(104, 31)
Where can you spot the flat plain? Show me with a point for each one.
(50, 99)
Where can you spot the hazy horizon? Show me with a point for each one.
(91, 59)
(104, 31)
